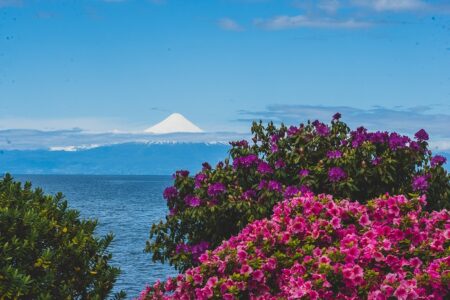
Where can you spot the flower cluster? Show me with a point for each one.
(336, 174)
(315, 247)
(216, 189)
(360, 165)
(195, 250)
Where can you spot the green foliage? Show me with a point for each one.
(47, 251)
(359, 165)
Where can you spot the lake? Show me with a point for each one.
(124, 205)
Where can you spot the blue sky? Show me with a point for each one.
(103, 65)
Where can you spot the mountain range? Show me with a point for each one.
(173, 144)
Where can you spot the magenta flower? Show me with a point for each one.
(438, 160)
(421, 135)
(292, 131)
(249, 194)
(420, 183)
(170, 193)
(181, 173)
(242, 144)
(173, 211)
(334, 154)
(264, 168)
(336, 174)
(206, 166)
(245, 161)
(337, 116)
(280, 164)
(376, 161)
(273, 143)
(359, 136)
(397, 141)
(195, 250)
(291, 191)
(199, 179)
(216, 189)
(305, 189)
(415, 146)
(378, 137)
(182, 248)
(192, 201)
(322, 129)
(262, 184)
(199, 248)
(274, 186)
(303, 173)
(274, 148)
(274, 138)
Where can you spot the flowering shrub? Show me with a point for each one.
(217, 203)
(319, 248)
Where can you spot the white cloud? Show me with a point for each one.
(229, 24)
(74, 148)
(391, 5)
(90, 124)
(403, 120)
(329, 6)
(440, 145)
(74, 140)
(286, 22)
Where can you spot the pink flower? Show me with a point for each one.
(198, 279)
(228, 296)
(212, 281)
(364, 220)
(241, 254)
(415, 262)
(317, 252)
(207, 292)
(386, 244)
(336, 222)
(246, 269)
(324, 260)
(447, 234)
(292, 255)
(270, 264)
(378, 256)
(258, 275)
(401, 293)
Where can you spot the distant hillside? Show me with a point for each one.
(129, 158)
(120, 159)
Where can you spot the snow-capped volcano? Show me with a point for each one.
(174, 123)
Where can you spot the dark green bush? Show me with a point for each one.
(359, 165)
(47, 251)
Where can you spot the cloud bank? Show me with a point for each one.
(391, 5)
(404, 120)
(286, 22)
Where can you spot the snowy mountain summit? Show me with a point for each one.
(172, 124)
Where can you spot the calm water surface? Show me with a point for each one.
(124, 205)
